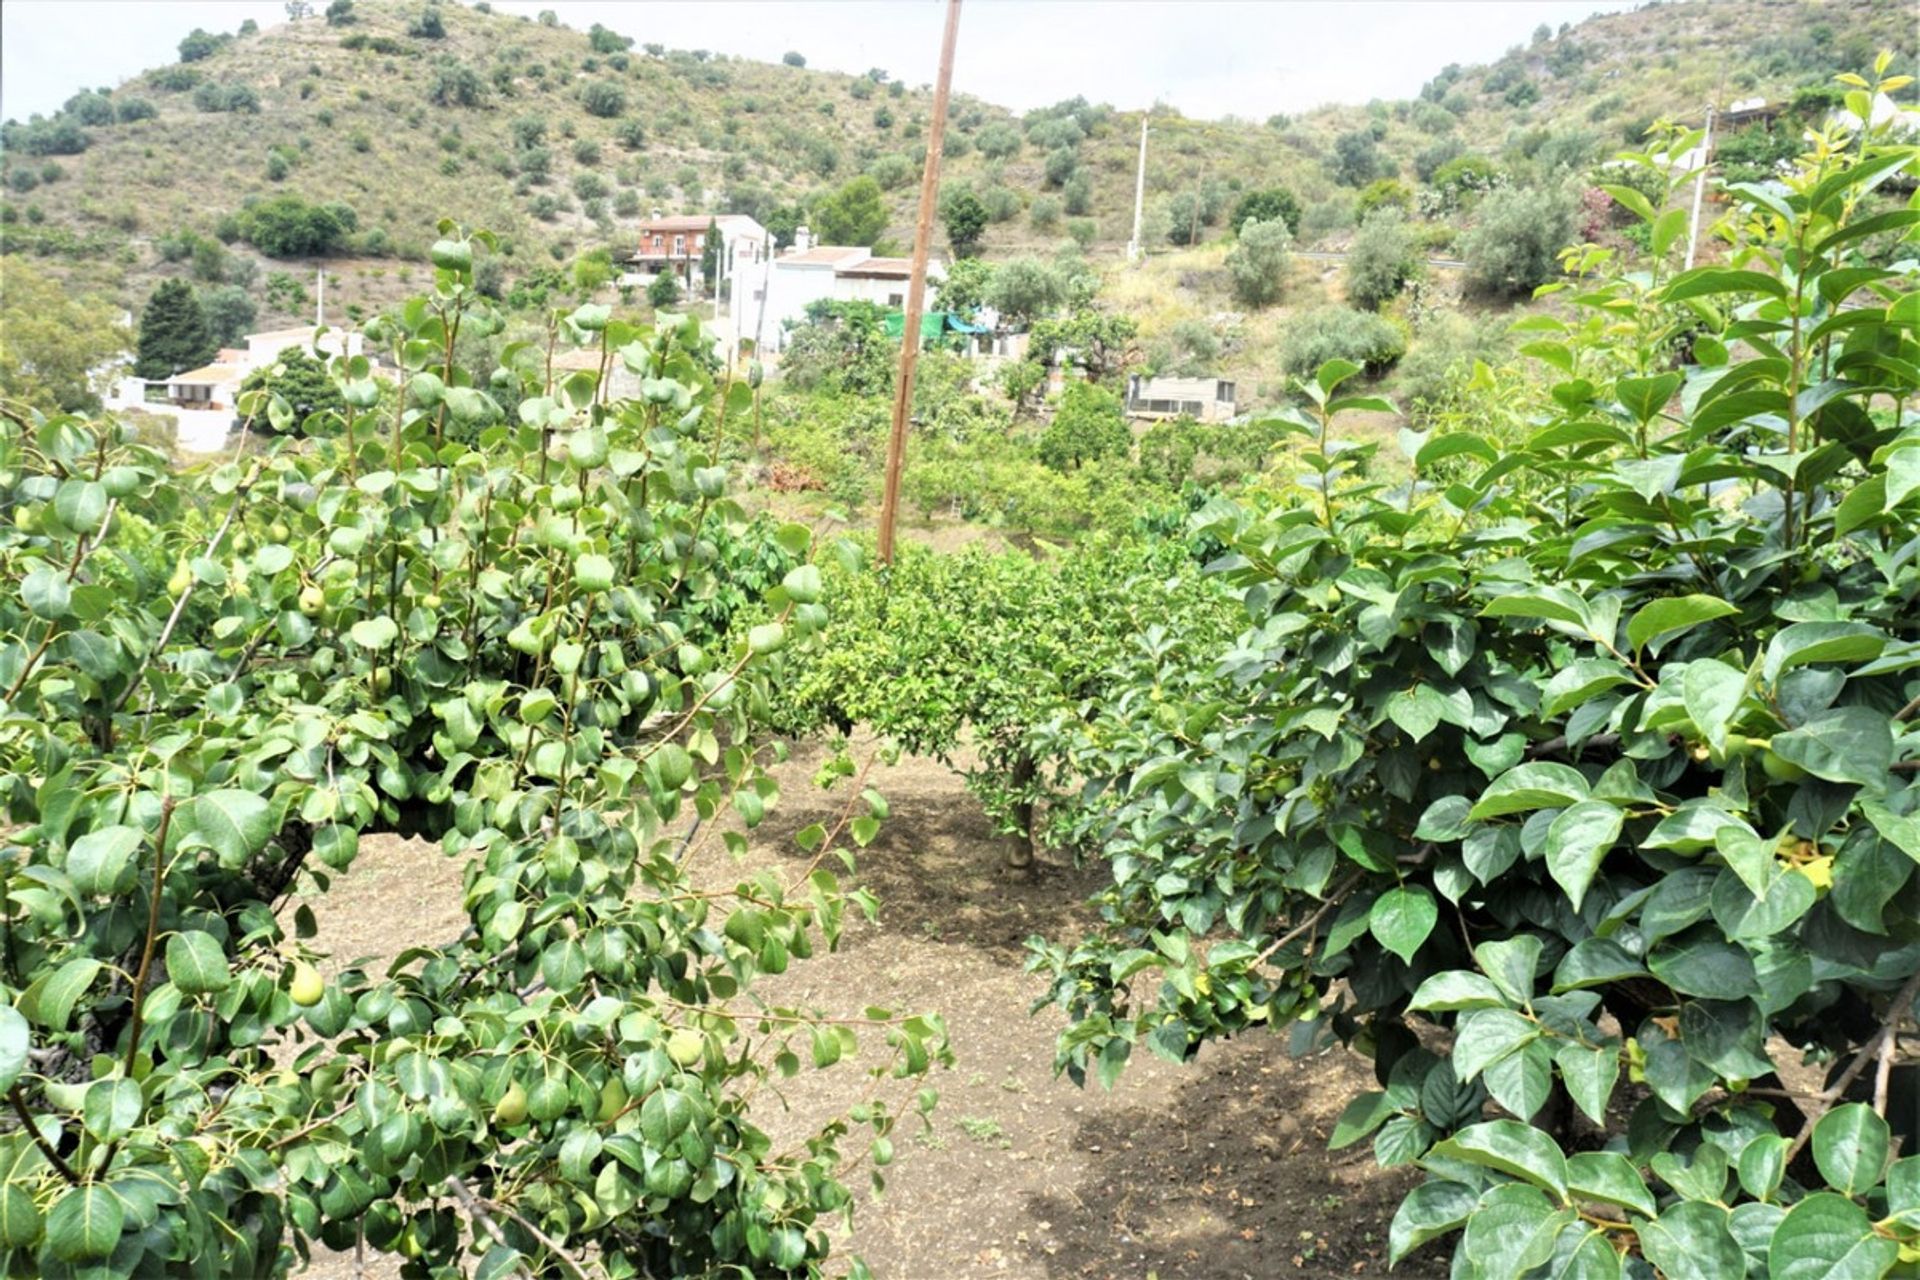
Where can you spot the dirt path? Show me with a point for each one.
(1217, 1170)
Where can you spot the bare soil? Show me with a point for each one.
(1216, 1170)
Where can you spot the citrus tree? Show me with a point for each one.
(216, 684)
(1578, 789)
(973, 658)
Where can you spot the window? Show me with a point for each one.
(680, 245)
(896, 299)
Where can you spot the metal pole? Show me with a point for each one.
(1139, 192)
(917, 286)
(1700, 188)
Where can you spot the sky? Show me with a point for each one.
(1207, 58)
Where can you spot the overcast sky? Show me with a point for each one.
(1206, 57)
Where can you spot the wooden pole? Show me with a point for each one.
(917, 287)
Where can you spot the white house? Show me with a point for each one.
(203, 402)
(808, 273)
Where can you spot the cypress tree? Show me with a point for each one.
(174, 334)
(710, 256)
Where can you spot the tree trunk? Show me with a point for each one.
(1020, 842)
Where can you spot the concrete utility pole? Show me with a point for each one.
(917, 286)
(1700, 188)
(319, 297)
(1139, 192)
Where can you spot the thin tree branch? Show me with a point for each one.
(1835, 1091)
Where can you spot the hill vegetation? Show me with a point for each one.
(337, 141)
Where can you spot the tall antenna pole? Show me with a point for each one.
(1700, 188)
(917, 286)
(319, 297)
(1139, 191)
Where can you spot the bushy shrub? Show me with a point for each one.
(1357, 159)
(998, 141)
(288, 227)
(216, 96)
(1515, 242)
(1384, 256)
(455, 85)
(200, 44)
(1265, 205)
(603, 98)
(603, 40)
(428, 24)
(1382, 193)
(1340, 333)
(1088, 425)
(1259, 261)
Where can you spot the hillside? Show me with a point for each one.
(557, 139)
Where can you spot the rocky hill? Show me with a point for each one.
(560, 139)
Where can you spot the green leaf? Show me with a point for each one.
(48, 593)
(80, 505)
(665, 1115)
(1577, 842)
(1902, 832)
(1553, 604)
(1402, 918)
(1430, 1209)
(1844, 744)
(1455, 990)
(1692, 1241)
(1513, 1230)
(1516, 1149)
(1761, 1165)
(97, 861)
(1828, 1237)
(15, 1039)
(375, 633)
(1701, 963)
(84, 1224)
(1521, 1081)
(1363, 1114)
(51, 998)
(1850, 1144)
(1512, 964)
(111, 1109)
(20, 1223)
(1646, 397)
(1484, 1036)
(1589, 1074)
(1541, 785)
(1610, 1178)
(1674, 614)
(197, 964)
(234, 824)
(1805, 643)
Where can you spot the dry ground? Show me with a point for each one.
(1213, 1171)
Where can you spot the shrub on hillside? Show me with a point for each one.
(455, 85)
(1340, 333)
(1382, 193)
(1265, 205)
(603, 98)
(1258, 262)
(428, 25)
(1514, 245)
(60, 136)
(219, 96)
(288, 227)
(127, 110)
(1384, 257)
(998, 141)
(200, 44)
